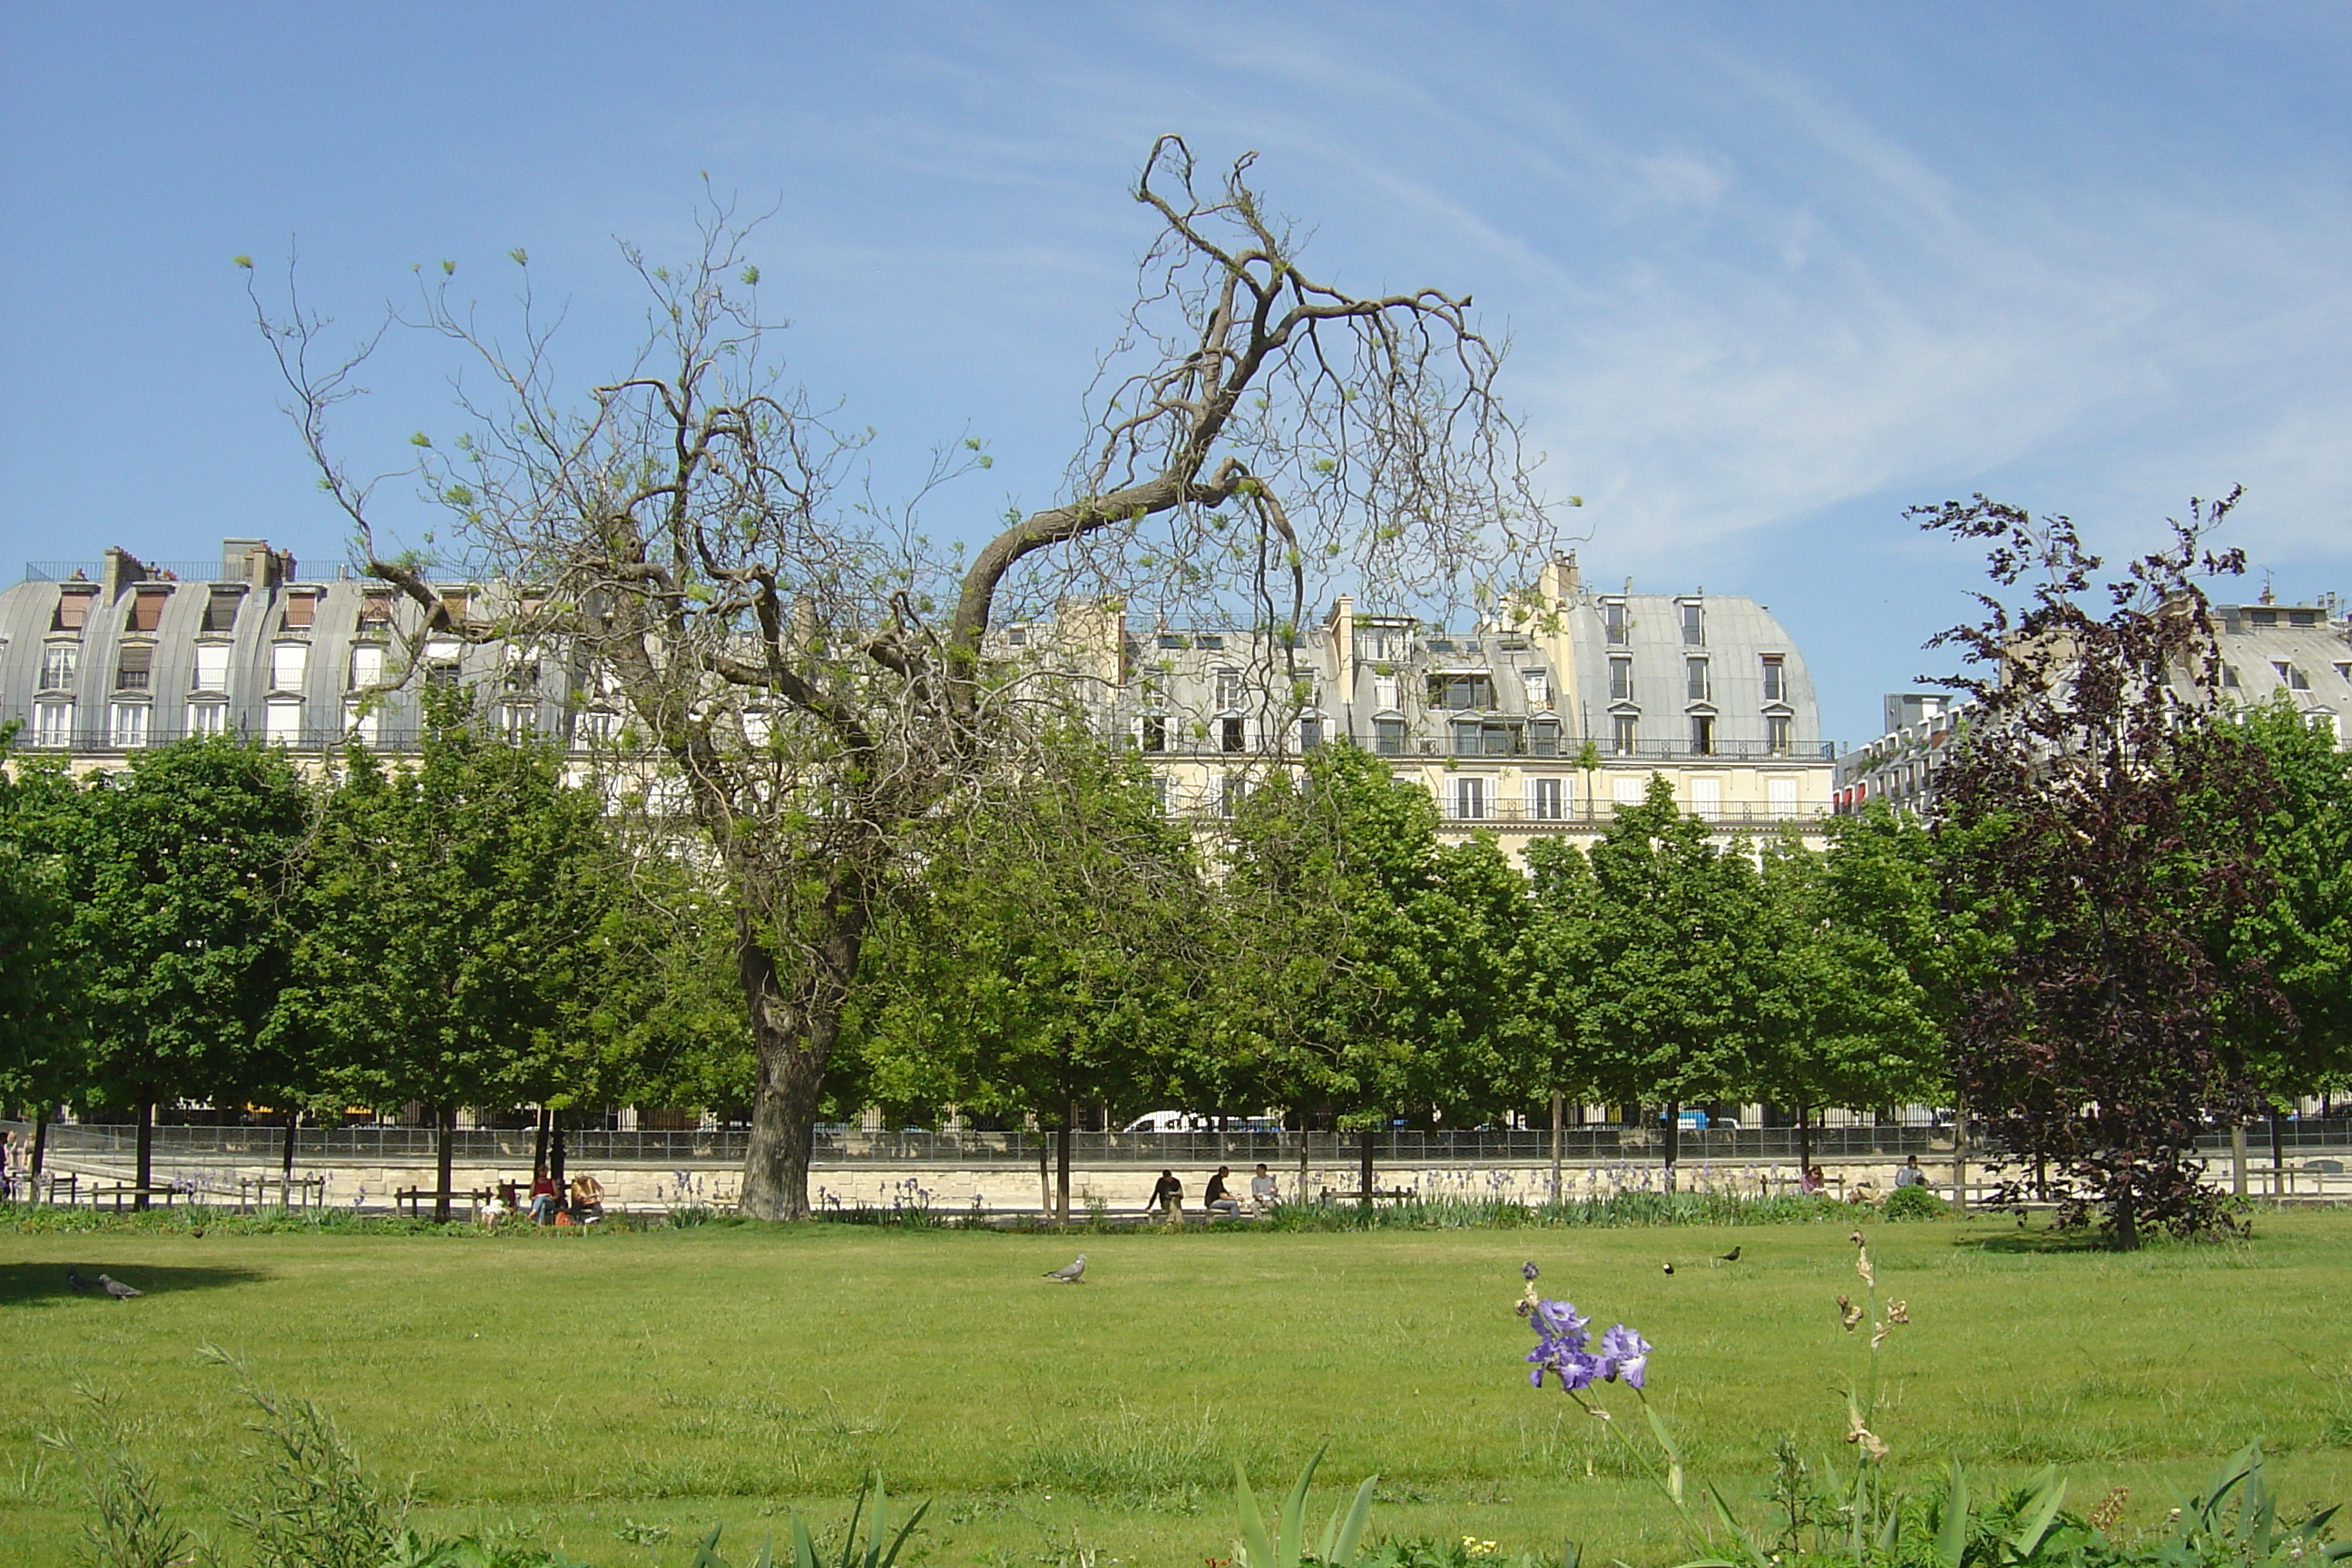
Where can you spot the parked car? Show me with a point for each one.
(1193, 1121)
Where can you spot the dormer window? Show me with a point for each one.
(1155, 732)
(1229, 689)
(134, 668)
(73, 609)
(288, 661)
(212, 667)
(1612, 621)
(220, 609)
(1695, 681)
(1776, 677)
(61, 662)
(375, 611)
(301, 609)
(1621, 678)
(147, 609)
(1694, 630)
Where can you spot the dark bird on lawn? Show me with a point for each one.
(1730, 1256)
(1669, 1267)
(198, 1233)
(75, 1282)
(117, 1289)
(1068, 1273)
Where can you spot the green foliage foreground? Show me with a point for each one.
(616, 1396)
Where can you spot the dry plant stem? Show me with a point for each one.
(809, 685)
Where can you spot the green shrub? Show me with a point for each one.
(1914, 1202)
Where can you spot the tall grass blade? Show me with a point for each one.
(1673, 1454)
(803, 1548)
(707, 1555)
(1340, 1551)
(1952, 1535)
(1290, 1531)
(1258, 1549)
(2040, 1512)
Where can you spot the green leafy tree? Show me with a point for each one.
(41, 1037)
(1047, 961)
(2300, 933)
(179, 869)
(1842, 959)
(448, 925)
(1670, 997)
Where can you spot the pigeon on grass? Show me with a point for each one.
(1069, 1273)
(117, 1289)
(75, 1282)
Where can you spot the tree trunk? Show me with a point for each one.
(1044, 1178)
(1804, 1144)
(2238, 1161)
(1961, 1152)
(792, 1038)
(40, 1147)
(1062, 1169)
(146, 1162)
(1306, 1137)
(1364, 1186)
(2278, 1159)
(1674, 1142)
(444, 1148)
(557, 1154)
(539, 1153)
(286, 1159)
(1558, 1113)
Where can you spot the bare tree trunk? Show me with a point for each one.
(1364, 1184)
(793, 1038)
(2278, 1159)
(40, 1146)
(1804, 1144)
(146, 1160)
(2238, 1161)
(1960, 1151)
(557, 1154)
(1045, 1180)
(286, 1158)
(1674, 1144)
(1558, 1113)
(539, 1154)
(1062, 1169)
(444, 1148)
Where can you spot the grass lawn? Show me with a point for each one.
(595, 1389)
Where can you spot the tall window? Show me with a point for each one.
(220, 609)
(301, 610)
(1234, 738)
(126, 724)
(441, 662)
(1160, 792)
(1780, 797)
(1775, 733)
(1233, 789)
(1621, 678)
(1694, 630)
(1311, 734)
(1384, 693)
(367, 665)
(362, 721)
(1465, 740)
(134, 668)
(1543, 738)
(73, 609)
(59, 662)
(1621, 735)
(283, 723)
(287, 660)
(1547, 799)
(1612, 621)
(1625, 789)
(1695, 679)
(2292, 675)
(1702, 734)
(1155, 732)
(1229, 689)
(1388, 737)
(147, 608)
(1470, 799)
(1539, 685)
(53, 723)
(519, 720)
(1776, 689)
(208, 718)
(212, 667)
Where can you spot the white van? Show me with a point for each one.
(1192, 1121)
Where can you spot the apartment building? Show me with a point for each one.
(1543, 722)
(2268, 649)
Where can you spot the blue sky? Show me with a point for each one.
(1772, 272)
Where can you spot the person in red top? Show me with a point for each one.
(543, 1198)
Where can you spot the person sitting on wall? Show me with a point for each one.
(587, 1199)
(1167, 1195)
(1264, 1193)
(1910, 1174)
(543, 1203)
(1216, 1199)
(1812, 1181)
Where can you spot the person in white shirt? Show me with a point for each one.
(1263, 1189)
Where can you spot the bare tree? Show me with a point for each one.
(812, 678)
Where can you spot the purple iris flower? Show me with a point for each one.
(1560, 1347)
(1625, 1354)
(1560, 1320)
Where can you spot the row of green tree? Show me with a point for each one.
(208, 926)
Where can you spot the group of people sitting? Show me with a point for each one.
(581, 1202)
(1908, 1174)
(1217, 1198)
